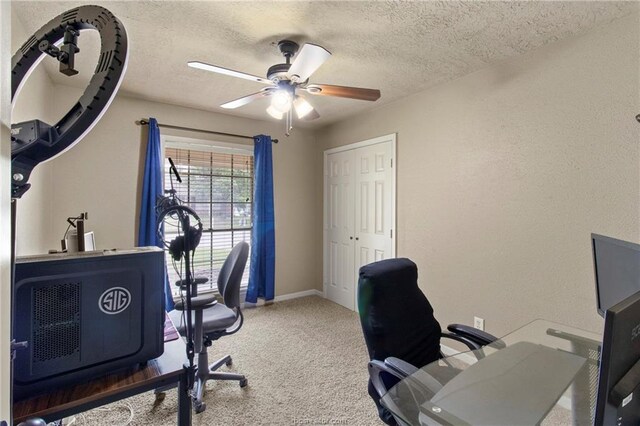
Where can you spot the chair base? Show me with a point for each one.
(208, 372)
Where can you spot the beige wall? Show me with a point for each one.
(103, 175)
(503, 175)
(33, 101)
(5, 201)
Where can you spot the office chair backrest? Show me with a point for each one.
(396, 317)
(230, 276)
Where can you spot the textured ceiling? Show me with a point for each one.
(397, 47)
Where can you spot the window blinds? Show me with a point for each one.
(219, 187)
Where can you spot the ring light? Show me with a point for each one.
(34, 142)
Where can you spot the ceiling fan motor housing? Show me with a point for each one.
(278, 72)
(288, 48)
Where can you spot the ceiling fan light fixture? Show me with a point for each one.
(274, 113)
(281, 101)
(302, 107)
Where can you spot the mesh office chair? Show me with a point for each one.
(399, 328)
(212, 320)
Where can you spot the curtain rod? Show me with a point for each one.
(144, 122)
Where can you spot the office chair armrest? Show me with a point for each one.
(216, 334)
(401, 370)
(400, 366)
(472, 345)
(479, 337)
(197, 302)
(376, 368)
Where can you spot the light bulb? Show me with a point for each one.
(281, 100)
(274, 113)
(302, 107)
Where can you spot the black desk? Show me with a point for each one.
(167, 370)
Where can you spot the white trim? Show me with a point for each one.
(182, 142)
(392, 137)
(381, 139)
(296, 295)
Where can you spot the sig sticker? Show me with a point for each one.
(627, 399)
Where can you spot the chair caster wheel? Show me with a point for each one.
(160, 396)
(199, 407)
(243, 383)
(229, 363)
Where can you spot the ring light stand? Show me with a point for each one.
(182, 247)
(34, 142)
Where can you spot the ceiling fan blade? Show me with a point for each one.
(227, 71)
(307, 61)
(344, 92)
(245, 99)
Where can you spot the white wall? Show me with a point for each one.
(5, 210)
(503, 174)
(103, 175)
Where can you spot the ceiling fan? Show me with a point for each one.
(286, 83)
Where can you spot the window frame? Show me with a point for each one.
(205, 145)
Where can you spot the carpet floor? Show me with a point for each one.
(306, 363)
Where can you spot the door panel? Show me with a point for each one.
(374, 203)
(340, 287)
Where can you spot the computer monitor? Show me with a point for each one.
(618, 399)
(617, 269)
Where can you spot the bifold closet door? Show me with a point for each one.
(339, 250)
(359, 216)
(373, 204)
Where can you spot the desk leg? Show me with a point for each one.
(184, 402)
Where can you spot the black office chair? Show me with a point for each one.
(399, 328)
(212, 320)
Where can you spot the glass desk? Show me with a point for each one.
(543, 373)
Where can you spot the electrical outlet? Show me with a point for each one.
(478, 323)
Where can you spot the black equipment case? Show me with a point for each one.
(86, 314)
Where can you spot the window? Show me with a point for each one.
(218, 185)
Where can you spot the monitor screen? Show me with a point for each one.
(617, 269)
(618, 397)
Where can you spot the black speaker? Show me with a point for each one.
(86, 314)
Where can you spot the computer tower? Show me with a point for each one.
(86, 314)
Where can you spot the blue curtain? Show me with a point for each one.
(263, 245)
(151, 189)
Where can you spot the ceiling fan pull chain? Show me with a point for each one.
(288, 123)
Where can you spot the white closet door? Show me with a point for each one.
(339, 250)
(359, 214)
(373, 203)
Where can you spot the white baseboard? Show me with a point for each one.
(298, 294)
(289, 296)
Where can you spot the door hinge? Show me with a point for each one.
(391, 233)
(392, 162)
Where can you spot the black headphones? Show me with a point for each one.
(177, 246)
